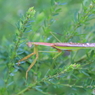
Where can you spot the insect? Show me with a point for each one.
(58, 46)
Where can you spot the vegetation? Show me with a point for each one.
(71, 73)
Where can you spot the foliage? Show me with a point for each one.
(71, 73)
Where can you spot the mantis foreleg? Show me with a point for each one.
(32, 64)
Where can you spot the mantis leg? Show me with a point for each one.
(34, 53)
(59, 53)
(26, 57)
(32, 64)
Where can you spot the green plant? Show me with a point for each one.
(68, 74)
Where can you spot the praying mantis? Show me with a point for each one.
(58, 46)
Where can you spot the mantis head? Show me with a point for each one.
(29, 44)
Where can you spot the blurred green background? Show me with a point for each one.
(11, 11)
(43, 79)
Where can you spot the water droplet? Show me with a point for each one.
(49, 38)
(16, 63)
(87, 44)
(11, 74)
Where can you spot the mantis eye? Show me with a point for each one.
(29, 44)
